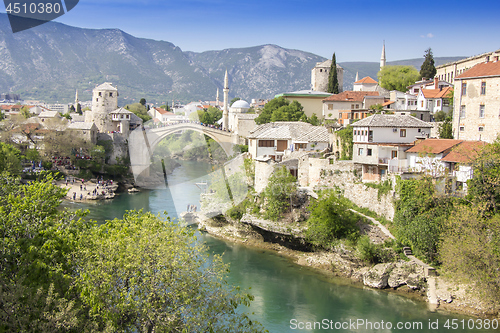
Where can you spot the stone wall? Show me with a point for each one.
(345, 175)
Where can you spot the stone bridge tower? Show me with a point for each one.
(104, 101)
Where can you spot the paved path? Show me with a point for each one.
(377, 223)
(87, 190)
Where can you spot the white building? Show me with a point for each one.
(273, 140)
(380, 142)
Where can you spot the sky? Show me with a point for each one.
(354, 29)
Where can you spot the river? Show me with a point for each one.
(287, 296)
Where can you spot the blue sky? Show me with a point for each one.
(353, 29)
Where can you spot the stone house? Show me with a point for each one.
(163, 115)
(87, 131)
(365, 84)
(449, 71)
(349, 100)
(274, 140)
(123, 121)
(476, 113)
(380, 142)
(403, 101)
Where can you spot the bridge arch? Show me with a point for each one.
(223, 138)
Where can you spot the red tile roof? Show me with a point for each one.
(433, 146)
(366, 79)
(437, 93)
(351, 96)
(465, 152)
(482, 70)
(163, 111)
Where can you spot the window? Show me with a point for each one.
(481, 128)
(110, 94)
(481, 111)
(100, 94)
(419, 130)
(483, 88)
(266, 143)
(462, 128)
(422, 104)
(462, 111)
(402, 133)
(438, 104)
(360, 151)
(357, 106)
(369, 152)
(394, 154)
(352, 106)
(464, 88)
(330, 106)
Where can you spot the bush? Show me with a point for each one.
(331, 220)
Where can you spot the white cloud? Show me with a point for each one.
(429, 35)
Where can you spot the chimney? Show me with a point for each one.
(487, 59)
(436, 83)
(495, 58)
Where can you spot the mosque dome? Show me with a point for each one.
(241, 104)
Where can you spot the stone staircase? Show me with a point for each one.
(407, 251)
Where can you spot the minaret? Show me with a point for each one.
(217, 99)
(76, 101)
(225, 111)
(382, 57)
(357, 77)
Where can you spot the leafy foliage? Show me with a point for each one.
(331, 220)
(10, 158)
(333, 82)
(419, 216)
(397, 77)
(345, 136)
(470, 249)
(428, 70)
(59, 273)
(278, 193)
(280, 109)
(37, 243)
(139, 110)
(484, 187)
(445, 130)
(147, 274)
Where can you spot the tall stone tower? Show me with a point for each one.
(320, 73)
(104, 101)
(225, 111)
(382, 57)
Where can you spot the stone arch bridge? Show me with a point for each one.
(143, 141)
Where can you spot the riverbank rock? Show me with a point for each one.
(402, 272)
(378, 276)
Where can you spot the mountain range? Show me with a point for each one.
(50, 62)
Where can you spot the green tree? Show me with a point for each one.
(267, 112)
(146, 274)
(139, 110)
(36, 273)
(142, 101)
(331, 220)
(25, 112)
(420, 214)
(279, 192)
(445, 130)
(484, 187)
(32, 155)
(470, 249)
(397, 77)
(313, 120)
(280, 109)
(428, 70)
(79, 108)
(234, 100)
(10, 159)
(333, 82)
